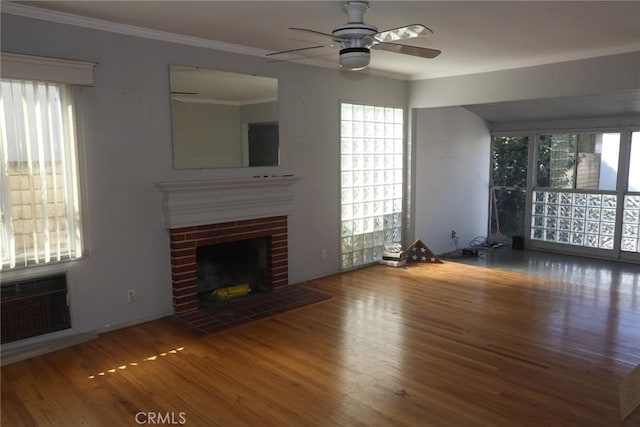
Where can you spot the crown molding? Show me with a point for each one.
(130, 30)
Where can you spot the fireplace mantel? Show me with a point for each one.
(192, 203)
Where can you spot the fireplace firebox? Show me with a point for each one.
(269, 252)
(242, 262)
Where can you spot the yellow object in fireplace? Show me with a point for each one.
(231, 291)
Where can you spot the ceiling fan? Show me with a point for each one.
(356, 39)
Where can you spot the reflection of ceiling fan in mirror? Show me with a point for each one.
(356, 39)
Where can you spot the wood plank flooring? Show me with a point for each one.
(429, 345)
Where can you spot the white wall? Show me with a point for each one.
(595, 76)
(127, 148)
(451, 177)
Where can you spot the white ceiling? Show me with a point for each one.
(474, 36)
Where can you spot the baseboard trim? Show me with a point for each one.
(19, 351)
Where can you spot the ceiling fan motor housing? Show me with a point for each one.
(355, 28)
(355, 53)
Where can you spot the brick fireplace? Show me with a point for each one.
(185, 241)
(202, 213)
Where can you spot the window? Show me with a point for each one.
(631, 214)
(574, 218)
(372, 168)
(575, 202)
(578, 161)
(39, 197)
(633, 184)
(585, 194)
(509, 159)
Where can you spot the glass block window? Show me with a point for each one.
(372, 170)
(573, 218)
(631, 224)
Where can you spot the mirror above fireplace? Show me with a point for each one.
(223, 120)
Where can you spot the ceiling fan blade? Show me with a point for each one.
(318, 33)
(402, 33)
(422, 52)
(297, 50)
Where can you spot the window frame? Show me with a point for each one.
(575, 177)
(621, 186)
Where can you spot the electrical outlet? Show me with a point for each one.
(131, 295)
(323, 254)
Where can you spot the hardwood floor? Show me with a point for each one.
(430, 345)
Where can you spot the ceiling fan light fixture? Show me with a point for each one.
(354, 58)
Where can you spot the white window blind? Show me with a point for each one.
(39, 203)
